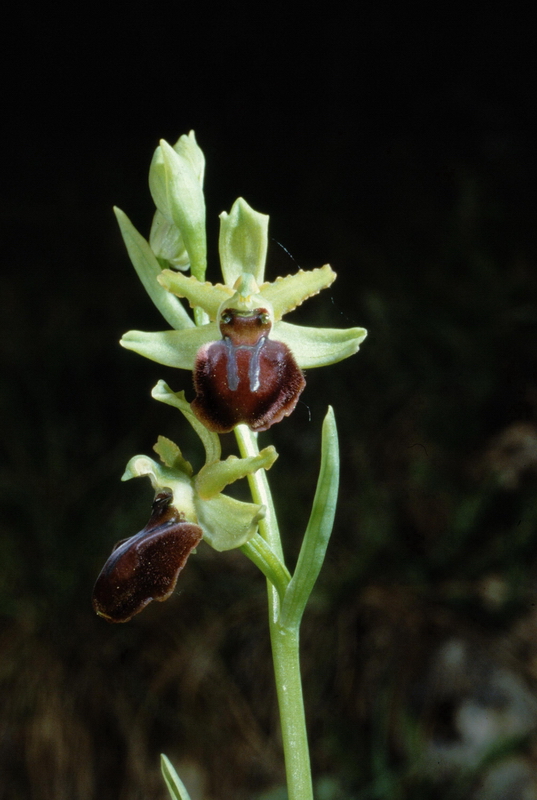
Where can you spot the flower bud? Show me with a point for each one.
(175, 181)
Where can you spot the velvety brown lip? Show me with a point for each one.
(245, 377)
(145, 566)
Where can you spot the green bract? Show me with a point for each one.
(226, 523)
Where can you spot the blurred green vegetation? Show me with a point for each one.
(435, 540)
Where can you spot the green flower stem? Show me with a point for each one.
(285, 643)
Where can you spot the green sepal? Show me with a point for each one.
(184, 203)
(243, 242)
(175, 785)
(148, 269)
(228, 523)
(207, 296)
(171, 456)
(163, 477)
(171, 348)
(210, 440)
(317, 536)
(215, 476)
(287, 293)
(318, 347)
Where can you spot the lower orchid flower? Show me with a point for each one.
(186, 508)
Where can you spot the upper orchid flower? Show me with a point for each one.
(247, 362)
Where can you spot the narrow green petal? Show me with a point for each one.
(148, 269)
(211, 441)
(289, 292)
(318, 347)
(171, 348)
(243, 242)
(212, 478)
(227, 523)
(317, 536)
(208, 296)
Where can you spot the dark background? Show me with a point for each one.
(398, 147)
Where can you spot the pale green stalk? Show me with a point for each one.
(285, 643)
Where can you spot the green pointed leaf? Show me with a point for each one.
(228, 523)
(148, 269)
(175, 785)
(289, 292)
(243, 242)
(317, 536)
(210, 441)
(171, 348)
(186, 205)
(318, 347)
(203, 295)
(215, 476)
(171, 456)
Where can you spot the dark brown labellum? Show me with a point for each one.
(145, 566)
(245, 377)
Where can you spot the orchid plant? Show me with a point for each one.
(247, 368)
